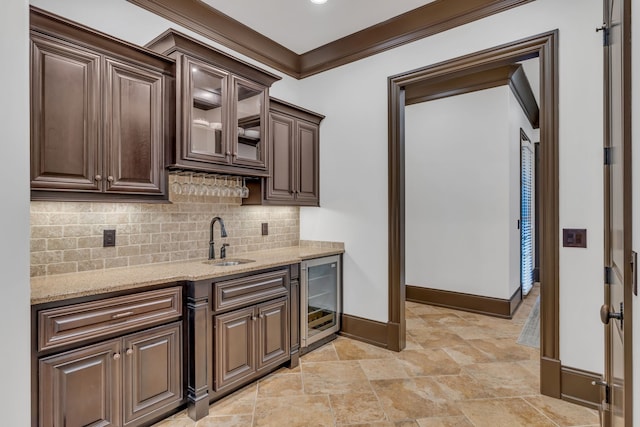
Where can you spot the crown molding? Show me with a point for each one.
(214, 25)
(432, 18)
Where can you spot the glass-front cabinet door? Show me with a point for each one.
(205, 124)
(249, 113)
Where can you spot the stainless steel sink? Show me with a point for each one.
(228, 262)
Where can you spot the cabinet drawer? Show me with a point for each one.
(78, 322)
(249, 290)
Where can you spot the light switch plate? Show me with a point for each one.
(574, 237)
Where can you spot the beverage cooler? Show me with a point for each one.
(321, 299)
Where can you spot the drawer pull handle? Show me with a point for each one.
(125, 314)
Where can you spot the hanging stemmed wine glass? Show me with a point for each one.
(186, 183)
(215, 188)
(175, 184)
(226, 191)
(245, 189)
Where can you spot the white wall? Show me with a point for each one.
(354, 159)
(14, 245)
(457, 177)
(462, 176)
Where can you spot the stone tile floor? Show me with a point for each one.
(458, 369)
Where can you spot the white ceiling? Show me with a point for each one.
(302, 26)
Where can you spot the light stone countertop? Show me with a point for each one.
(72, 285)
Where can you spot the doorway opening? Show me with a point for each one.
(544, 47)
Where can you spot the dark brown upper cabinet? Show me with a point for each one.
(294, 159)
(101, 111)
(221, 108)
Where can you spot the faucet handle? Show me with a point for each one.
(223, 251)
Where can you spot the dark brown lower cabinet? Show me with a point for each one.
(273, 333)
(152, 371)
(120, 382)
(239, 329)
(81, 387)
(249, 340)
(234, 346)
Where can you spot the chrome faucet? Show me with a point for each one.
(223, 233)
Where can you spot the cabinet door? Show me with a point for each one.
(134, 129)
(282, 159)
(65, 117)
(205, 133)
(307, 173)
(152, 370)
(248, 114)
(81, 387)
(234, 347)
(274, 332)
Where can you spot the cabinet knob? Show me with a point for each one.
(98, 178)
(228, 153)
(253, 318)
(235, 154)
(116, 356)
(110, 178)
(129, 352)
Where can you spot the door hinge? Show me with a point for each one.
(607, 275)
(605, 34)
(607, 156)
(607, 389)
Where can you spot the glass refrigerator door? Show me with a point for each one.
(322, 298)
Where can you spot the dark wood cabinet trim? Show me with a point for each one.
(236, 293)
(45, 22)
(198, 347)
(416, 24)
(79, 323)
(171, 42)
(294, 307)
(504, 308)
(544, 46)
(280, 106)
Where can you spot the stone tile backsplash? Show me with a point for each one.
(66, 237)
